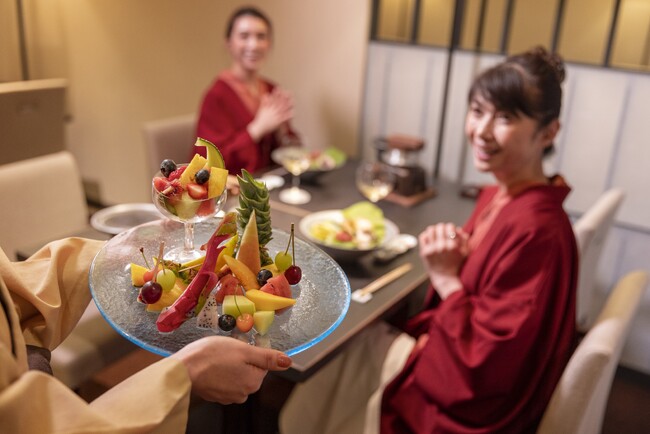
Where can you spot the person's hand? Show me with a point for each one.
(227, 370)
(443, 248)
(275, 109)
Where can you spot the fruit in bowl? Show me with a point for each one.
(322, 161)
(191, 192)
(327, 159)
(350, 233)
(236, 286)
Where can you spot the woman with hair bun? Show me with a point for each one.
(498, 325)
(244, 114)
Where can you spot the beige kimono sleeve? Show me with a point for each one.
(42, 299)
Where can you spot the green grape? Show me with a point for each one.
(166, 278)
(283, 260)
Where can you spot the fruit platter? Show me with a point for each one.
(255, 283)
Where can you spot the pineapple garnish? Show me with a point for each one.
(254, 195)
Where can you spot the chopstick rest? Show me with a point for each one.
(364, 294)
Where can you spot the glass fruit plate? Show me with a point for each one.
(322, 296)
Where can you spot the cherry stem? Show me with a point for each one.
(288, 244)
(237, 304)
(145, 258)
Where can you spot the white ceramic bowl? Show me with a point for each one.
(337, 252)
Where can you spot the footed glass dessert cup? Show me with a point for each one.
(178, 205)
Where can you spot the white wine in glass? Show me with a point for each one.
(296, 160)
(375, 181)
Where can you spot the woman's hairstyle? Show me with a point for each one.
(528, 83)
(247, 11)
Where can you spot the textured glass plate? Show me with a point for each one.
(322, 296)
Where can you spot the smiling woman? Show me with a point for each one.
(247, 115)
(498, 325)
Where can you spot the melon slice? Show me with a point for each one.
(249, 248)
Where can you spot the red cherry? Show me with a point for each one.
(150, 292)
(293, 274)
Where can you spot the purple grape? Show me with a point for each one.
(227, 322)
(202, 176)
(167, 167)
(150, 292)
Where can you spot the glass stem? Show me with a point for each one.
(189, 237)
(295, 182)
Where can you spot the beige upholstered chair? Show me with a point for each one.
(44, 200)
(580, 398)
(591, 231)
(48, 203)
(169, 138)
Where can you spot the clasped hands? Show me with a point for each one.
(275, 109)
(443, 248)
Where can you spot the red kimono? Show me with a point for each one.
(223, 121)
(496, 348)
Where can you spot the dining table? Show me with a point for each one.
(336, 189)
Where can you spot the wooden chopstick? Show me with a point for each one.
(386, 279)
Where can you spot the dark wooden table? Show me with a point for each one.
(335, 190)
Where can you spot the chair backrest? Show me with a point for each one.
(43, 199)
(32, 118)
(169, 138)
(580, 398)
(591, 231)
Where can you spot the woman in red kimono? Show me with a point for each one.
(245, 115)
(498, 326)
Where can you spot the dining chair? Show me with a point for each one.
(44, 200)
(591, 231)
(48, 203)
(169, 138)
(578, 403)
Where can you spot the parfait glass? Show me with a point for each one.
(296, 160)
(179, 206)
(375, 180)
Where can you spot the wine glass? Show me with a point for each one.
(375, 180)
(179, 206)
(296, 160)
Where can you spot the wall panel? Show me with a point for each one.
(633, 159)
(591, 130)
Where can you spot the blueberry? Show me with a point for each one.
(227, 322)
(202, 176)
(263, 276)
(167, 167)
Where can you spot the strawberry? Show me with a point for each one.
(160, 184)
(177, 173)
(196, 191)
